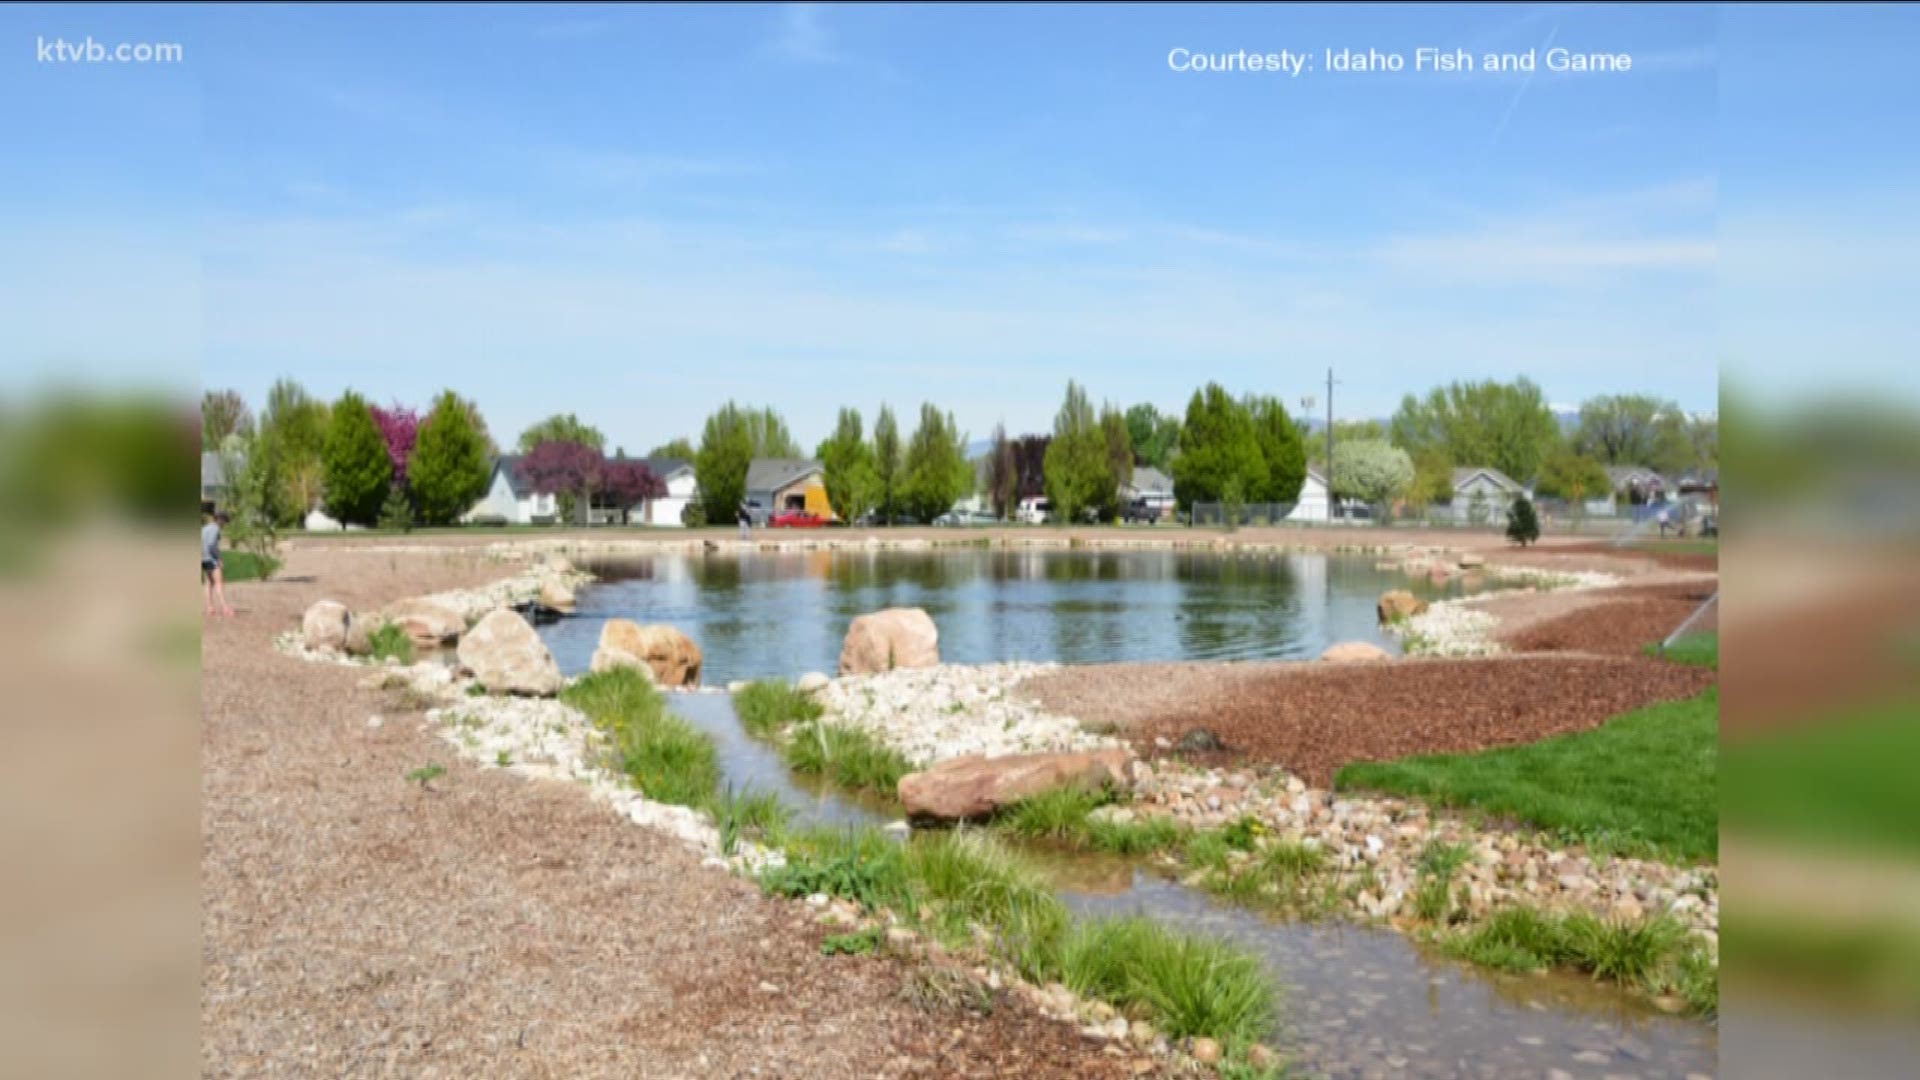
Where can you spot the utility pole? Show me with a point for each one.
(1330, 502)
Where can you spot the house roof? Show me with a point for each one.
(1148, 478)
(1621, 475)
(667, 468)
(510, 464)
(1502, 480)
(772, 474)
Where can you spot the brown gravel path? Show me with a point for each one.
(1313, 718)
(1621, 622)
(356, 924)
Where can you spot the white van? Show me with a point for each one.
(1034, 511)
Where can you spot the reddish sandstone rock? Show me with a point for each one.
(672, 656)
(1399, 604)
(885, 640)
(974, 786)
(430, 624)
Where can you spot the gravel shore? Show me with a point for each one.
(485, 924)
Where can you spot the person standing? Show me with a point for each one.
(746, 522)
(210, 565)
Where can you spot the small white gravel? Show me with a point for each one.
(934, 714)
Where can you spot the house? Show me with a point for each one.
(682, 489)
(1482, 494)
(1311, 504)
(1636, 485)
(1151, 487)
(776, 485)
(216, 486)
(510, 500)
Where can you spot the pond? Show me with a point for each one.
(1356, 1002)
(764, 615)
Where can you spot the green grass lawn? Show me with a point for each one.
(1645, 783)
(1701, 650)
(1845, 782)
(238, 565)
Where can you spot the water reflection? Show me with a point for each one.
(780, 614)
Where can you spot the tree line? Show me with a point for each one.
(368, 464)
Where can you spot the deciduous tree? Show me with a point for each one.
(451, 461)
(223, 413)
(848, 460)
(1154, 435)
(1504, 425)
(1634, 429)
(886, 463)
(562, 427)
(935, 473)
(1219, 452)
(1283, 456)
(358, 471)
(720, 466)
(1078, 476)
(1371, 470)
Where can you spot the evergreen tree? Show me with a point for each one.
(358, 469)
(1523, 525)
(886, 463)
(935, 473)
(396, 514)
(1218, 450)
(1283, 454)
(451, 463)
(848, 460)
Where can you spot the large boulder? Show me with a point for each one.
(885, 640)
(673, 657)
(556, 594)
(1472, 560)
(324, 626)
(506, 656)
(1355, 652)
(607, 658)
(1399, 604)
(431, 624)
(974, 786)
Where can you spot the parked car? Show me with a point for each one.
(960, 519)
(1140, 512)
(1034, 511)
(797, 519)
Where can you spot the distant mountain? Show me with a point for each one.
(978, 449)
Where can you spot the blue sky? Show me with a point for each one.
(637, 213)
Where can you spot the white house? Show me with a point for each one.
(1483, 494)
(1312, 503)
(668, 509)
(509, 500)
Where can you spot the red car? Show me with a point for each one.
(797, 519)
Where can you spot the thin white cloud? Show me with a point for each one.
(801, 35)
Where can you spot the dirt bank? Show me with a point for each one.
(1314, 718)
(355, 922)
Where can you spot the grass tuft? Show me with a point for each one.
(1188, 985)
(848, 756)
(390, 639)
(1656, 955)
(668, 758)
(768, 708)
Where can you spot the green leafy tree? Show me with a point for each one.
(1523, 525)
(1218, 449)
(250, 494)
(1283, 454)
(771, 439)
(1371, 470)
(293, 430)
(1077, 473)
(223, 414)
(1572, 476)
(720, 465)
(452, 461)
(1507, 426)
(1432, 478)
(886, 463)
(936, 473)
(848, 460)
(1343, 431)
(359, 471)
(1118, 442)
(1634, 429)
(562, 427)
(1703, 435)
(1153, 434)
(680, 449)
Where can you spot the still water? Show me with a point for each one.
(780, 615)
